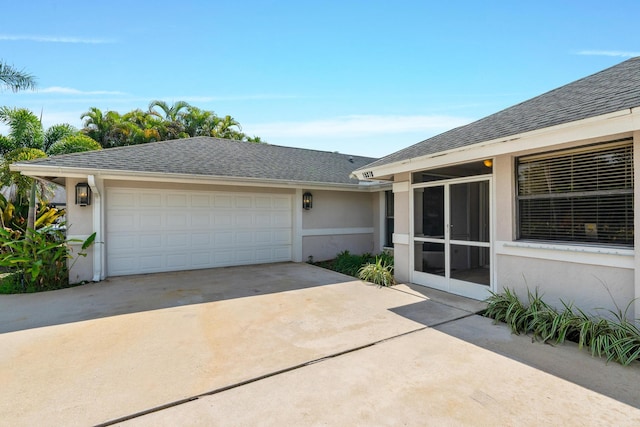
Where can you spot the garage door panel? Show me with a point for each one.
(155, 230)
(200, 240)
(150, 241)
(281, 236)
(200, 220)
(281, 219)
(243, 202)
(244, 220)
(177, 201)
(177, 240)
(282, 202)
(282, 253)
(119, 199)
(263, 202)
(223, 239)
(177, 261)
(150, 262)
(122, 242)
(223, 258)
(243, 238)
(223, 220)
(150, 200)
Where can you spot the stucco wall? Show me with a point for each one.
(588, 286)
(339, 209)
(401, 237)
(339, 220)
(80, 226)
(323, 248)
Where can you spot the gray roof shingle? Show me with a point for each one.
(613, 89)
(208, 156)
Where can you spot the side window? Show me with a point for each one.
(388, 226)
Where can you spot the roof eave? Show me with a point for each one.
(53, 173)
(616, 122)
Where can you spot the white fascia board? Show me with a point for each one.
(39, 171)
(594, 127)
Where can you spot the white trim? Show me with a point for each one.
(449, 284)
(401, 187)
(592, 255)
(98, 228)
(336, 231)
(297, 225)
(35, 170)
(382, 218)
(623, 121)
(400, 239)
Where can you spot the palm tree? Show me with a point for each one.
(15, 80)
(199, 122)
(25, 129)
(57, 132)
(95, 125)
(171, 113)
(224, 128)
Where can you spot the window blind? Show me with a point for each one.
(580, 195)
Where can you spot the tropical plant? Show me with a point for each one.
(14, 79)
(615, 337)
(25, 129)
(380, 272)
(73, 144)
(22, 183)
(55, 133)
(38, 262)
(160, 122)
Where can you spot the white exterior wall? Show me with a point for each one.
(338, 221)
(79, 227)
(401, 237)
(590, 277)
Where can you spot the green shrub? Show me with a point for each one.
(617, 339)
(348, 263)
(380, 272)
(37, 260)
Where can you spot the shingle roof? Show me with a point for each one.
(614, 89)
(217, 157)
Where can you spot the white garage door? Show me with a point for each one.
(151, 231)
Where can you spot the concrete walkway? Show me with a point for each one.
(287, 344)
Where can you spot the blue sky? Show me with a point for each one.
(359, 77)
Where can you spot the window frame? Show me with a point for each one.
(572, 197)
(389, 218)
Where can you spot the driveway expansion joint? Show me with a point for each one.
(273, 374)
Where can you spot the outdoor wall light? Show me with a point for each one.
(488, 163)
(83, 194)
(307, 201)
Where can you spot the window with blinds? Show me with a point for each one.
(582, 195)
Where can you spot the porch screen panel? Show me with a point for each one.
(582, 195)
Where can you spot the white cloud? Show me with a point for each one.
(356, 125)
(71, 91)
(617, 53)
(55, 39)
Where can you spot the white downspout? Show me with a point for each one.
(98, 244)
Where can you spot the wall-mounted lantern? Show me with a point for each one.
(307, 201)
(83, 194)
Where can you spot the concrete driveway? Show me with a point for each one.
(286, 344)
